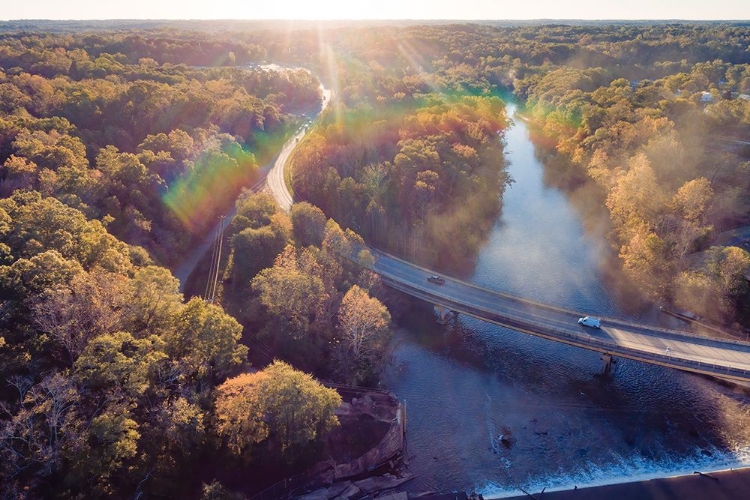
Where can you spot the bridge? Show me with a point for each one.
(727, 359)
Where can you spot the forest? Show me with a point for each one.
(120, 148)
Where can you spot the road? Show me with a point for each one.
(272, 175)
(275, 180)
(675, 349)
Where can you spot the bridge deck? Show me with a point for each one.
(676, 349)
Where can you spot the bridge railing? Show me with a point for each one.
(574, 338)
(607, 319)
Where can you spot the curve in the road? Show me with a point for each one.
(275, 180)
(671, 348)
(272, 175)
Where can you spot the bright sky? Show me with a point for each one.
(375, 9)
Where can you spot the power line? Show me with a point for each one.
(213, 274)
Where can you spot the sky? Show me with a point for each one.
(376, 9)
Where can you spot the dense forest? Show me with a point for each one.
(112, 164)
(119, 148)
(649, 122)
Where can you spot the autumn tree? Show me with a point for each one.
(308, 222)
(718, 289)
(204, 339)
(91, 304)
(284, 407)
(291, 298)
(363, 333)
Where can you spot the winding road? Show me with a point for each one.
(275, 179)
(671, 348)
(271, 175)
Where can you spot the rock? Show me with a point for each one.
(379, 483)
(394, 496)
(507, 440)
(337, 489)
(351, 491)
(321, 494)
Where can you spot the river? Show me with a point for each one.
(465, 384)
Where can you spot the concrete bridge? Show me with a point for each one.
(727, 359)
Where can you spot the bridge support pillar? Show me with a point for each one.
(607, 362)
(443, 314)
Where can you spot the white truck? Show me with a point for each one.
(590, 321)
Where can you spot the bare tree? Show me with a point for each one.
(92, 304)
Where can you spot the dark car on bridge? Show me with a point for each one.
(436, 279)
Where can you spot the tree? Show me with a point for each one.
(46, 429)
(38, 224)
(113, 443)
(308, 222)
(92, 304)
(119, 362)
(254, 210)
(204, 339)
(153, 301)
(216, 491)
(689, 206)
(254, 249)
(44, 271)
(718, 289)
(279, 404)
(292, 298)
(636, 198)
(363, 333)
(240, 412)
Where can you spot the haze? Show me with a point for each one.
(382, 9)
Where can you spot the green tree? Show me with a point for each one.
(117, 361)
(254, 210)
(254, 249)
(153, 301)
(291, 297)
(308, 222)
(204, 339)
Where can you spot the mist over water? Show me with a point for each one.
(468, 383)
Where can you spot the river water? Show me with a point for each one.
(465, 384)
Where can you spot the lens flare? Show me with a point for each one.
(211, 186)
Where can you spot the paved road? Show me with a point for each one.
(675, 349)
(272, 175)
(275, 179)
(682, 350)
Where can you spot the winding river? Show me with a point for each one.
(467, 383)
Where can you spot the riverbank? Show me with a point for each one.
(721, 485)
